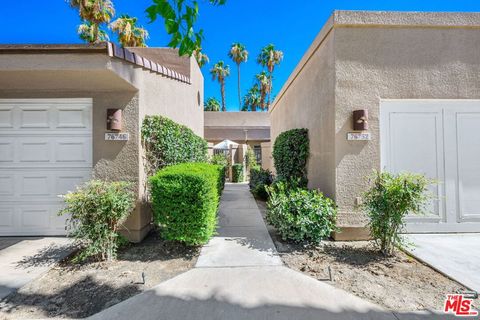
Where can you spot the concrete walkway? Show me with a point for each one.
(240, 276)
(456, 255)
(24, 259)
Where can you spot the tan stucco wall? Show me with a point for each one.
(373, 56)
(112, 83)
(307, 101)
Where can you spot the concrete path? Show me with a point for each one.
(456, 255)
(240, 276)
(24, 259)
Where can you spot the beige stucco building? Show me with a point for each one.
(417, 75)
(53, 124)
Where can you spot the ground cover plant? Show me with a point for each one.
(290, 155)
(259, 180)
(299, 214)
(388, 201)
(167, 143)
(97, 210)
(185, 198)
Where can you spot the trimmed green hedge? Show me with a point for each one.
(185, 199)
(290, 155)
(237, 172)
(259, 179)
(167, 143)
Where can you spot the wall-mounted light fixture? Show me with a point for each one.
(114, 119)
(360, 120)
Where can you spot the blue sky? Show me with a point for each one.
(290, 25)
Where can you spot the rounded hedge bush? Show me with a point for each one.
(185, 199)
(259, 179)
(237, 172)
(300, 214)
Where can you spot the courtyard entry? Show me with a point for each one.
(438, 138)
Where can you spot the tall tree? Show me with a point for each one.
(252, 99)
(220, 72)
(202, 58)
(129, 34)
(270, 57)
(265, 86)
(94, 13)
(239, 54)
(212, 104)
(179, 18)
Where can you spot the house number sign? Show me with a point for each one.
(116, 136)
(359, 136)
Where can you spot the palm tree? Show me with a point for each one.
(269, 57)
(265, 83)
(252, 99)
(93, 13)
(89, 33)
(238, 53)
(202, 58)
(212, 104)
(129, 34)
(220, 72)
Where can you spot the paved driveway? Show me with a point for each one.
(24, 259)
(456, 255)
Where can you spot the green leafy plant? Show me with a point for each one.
(94, 14)
(97, 209)
(220, 72)
(390, 198)
(299, 214)
(129, 33)
(211, 104)
(168, 143)
(237, 172)
(185, 198)
(270, 57)
(290, 155)
(239, 54)
(250, 158)
(259, 180)
(221, 160)
(179, 18)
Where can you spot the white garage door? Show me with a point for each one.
(45, 151)
(439, 138)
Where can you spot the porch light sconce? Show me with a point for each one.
(114, 119)
(360, 120)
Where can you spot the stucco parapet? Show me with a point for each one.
(348, 18)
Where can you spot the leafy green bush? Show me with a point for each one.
(250, 159)
(390, 198)
(185, 198)
(259, 179)
(299, 214)
(98, 208)
(290, 155)
(237, 172)
(221, 161)
(167, 142)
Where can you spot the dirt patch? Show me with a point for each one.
(399, 283)
(80, 291)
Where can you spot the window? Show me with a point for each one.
(257, 150)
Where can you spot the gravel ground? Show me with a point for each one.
(398, 283)
(78, 291)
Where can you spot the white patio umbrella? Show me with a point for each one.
(225, 145)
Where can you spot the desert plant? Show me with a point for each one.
(300, 214)
(94, 14)
(167, 142)
(129, 33)
(97, 209)
(252, 99)
(237, 172)
(239, 54)
(220, 72)
(211, 104)
(270, 57)
(202, 58)
(390, 198)
(290, 155)
(185, 198)
(259, 180)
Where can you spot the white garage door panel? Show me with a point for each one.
(45, 151)
(438, 138)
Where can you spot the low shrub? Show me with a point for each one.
(390, 198)
(97, 209)
(167, 143)
(300, 214)
(259, 179)
(290, 155)
(185, 198)
(222, 161)
(237, 172)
